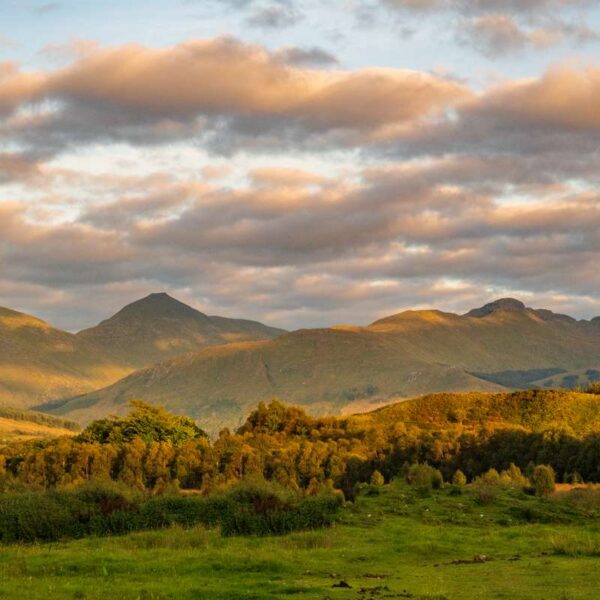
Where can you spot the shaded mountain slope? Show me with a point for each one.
(327, 370)
(160, 327)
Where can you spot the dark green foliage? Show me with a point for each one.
(258, 508)
(150, 423)
(105, 508)
(424, 477)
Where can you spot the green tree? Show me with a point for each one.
(150, 423)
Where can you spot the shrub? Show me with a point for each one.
(486, 494)
(106, 508)
(487, 486)
(261, 508)
(489, 478)
(27, 517)
(513, 477)
(377, 479)
(543, 480)
(459, 478)
(573, 478)
(424, 477)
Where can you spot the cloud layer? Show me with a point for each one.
(444, 195)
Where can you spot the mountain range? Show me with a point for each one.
(39, 363)
(502, 345)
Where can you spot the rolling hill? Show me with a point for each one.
(496, 347)
(18, 425)
(577, 413)
(39, 363)
(160, 327)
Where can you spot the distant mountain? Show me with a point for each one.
(160, 327)
(39, 363)
(503, 345)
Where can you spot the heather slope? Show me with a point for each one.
(576, 413)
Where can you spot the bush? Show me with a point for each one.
(107, 508)
(573, 478)
(261, 508)
(424, 477)
(459, 478)
(486, 494)
(513, 477)
(27, 517)
(377, 479)
(489, 478)
(543, 480)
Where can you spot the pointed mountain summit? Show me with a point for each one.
(159, 327)
(503, 345)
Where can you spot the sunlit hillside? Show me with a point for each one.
(22, 425)
(501, 346)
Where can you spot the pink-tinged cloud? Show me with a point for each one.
(564, 97)
(225, 77)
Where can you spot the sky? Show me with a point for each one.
(299, 162)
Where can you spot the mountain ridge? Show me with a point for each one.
(328, 369)
(40, 363)
(159, 327)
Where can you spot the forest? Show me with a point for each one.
(155, 451)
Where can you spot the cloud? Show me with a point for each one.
(443, 196)
(493, 34)
(311, 57)
(478, 6)
(298, 249)
(208, 87)
(47, 7)
(275, 16)
(499, 27)
(17, 167)
(563, 98)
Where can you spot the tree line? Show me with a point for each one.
(152, 450)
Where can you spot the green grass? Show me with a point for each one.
(397, 544)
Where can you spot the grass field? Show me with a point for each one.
(397, 544)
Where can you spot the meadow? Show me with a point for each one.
(392, 542)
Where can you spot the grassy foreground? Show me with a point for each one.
(396, 544)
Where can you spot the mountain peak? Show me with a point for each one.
(159, 304)
(502, 304)
(158, 327)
